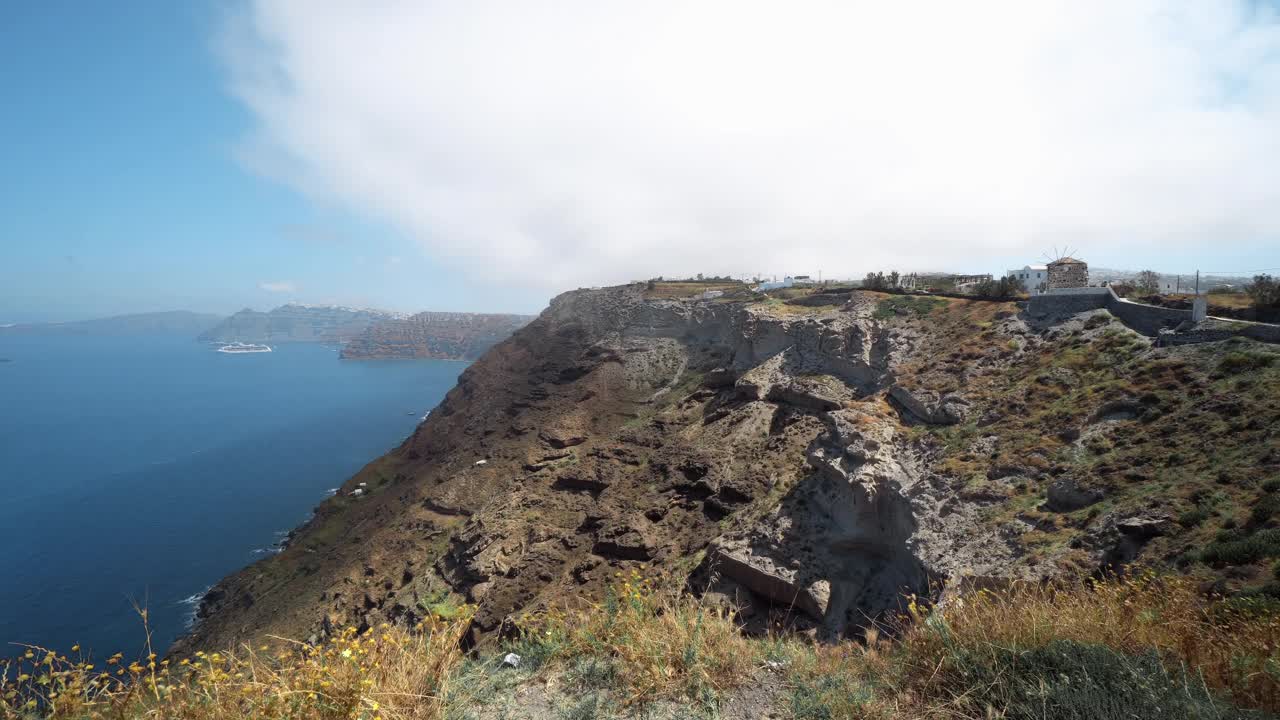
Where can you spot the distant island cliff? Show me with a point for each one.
(434, 335)
(372, 334)
(175, 322)
(296, 323)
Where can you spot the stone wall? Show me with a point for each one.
(1146, 319)
(1062, 302)
(1265, 333)
(1067, 273)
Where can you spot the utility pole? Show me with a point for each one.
(1199, 306)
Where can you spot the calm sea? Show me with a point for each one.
(144, 469)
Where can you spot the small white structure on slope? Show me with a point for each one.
(785, 282)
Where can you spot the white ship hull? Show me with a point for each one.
(243, 348)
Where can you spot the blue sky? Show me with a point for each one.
(477, 156)
(121, 190)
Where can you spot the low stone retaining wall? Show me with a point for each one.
(1265, 333)
(1068, 303)
(1149, 320)
(1146, 319)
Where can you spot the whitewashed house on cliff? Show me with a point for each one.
(1032, 277)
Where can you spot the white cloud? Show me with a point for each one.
(278, 286)
(587, 141)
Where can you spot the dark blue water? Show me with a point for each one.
(143, 470)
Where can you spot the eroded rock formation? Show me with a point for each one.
(815, 467)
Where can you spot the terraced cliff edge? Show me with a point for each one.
(434, 335)
(812, 461)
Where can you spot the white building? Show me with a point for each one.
(1165, 284)
(785, 282)
(1032, 277)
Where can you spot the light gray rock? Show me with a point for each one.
(838, 546)
(1068, 495)
(931, 407)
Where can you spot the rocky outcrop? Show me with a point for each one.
(838, 547)
(433, 335)
(612, 430)
(931, 407)
(781, 460)
(1068, 495)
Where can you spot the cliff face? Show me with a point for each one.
(295, 323)
(434, 335)
(809, 462)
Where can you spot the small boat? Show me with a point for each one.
(237, 348)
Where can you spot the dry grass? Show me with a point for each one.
(1232, 649)
(386, 673)
(672, 290)
(977, 657)
(1233, 301)
(1146, 647)
(655, 645)
(780, 308)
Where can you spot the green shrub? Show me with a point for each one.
(1097, 321)
(1243, 550)
(1192, 518)
(1067, 680)
(907, 305)
(440, 603)
(593, 672)
(1229, 533)
(1240, 361)
(1266, 507)
(829, 697)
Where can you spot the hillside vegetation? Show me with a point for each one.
(1146, 647)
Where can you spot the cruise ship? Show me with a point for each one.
(239, 347)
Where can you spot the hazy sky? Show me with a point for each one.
(485, 155)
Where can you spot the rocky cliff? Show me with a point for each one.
(434, 335)
(296, 323)
(811, 461)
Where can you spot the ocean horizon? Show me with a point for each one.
(140, 471)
